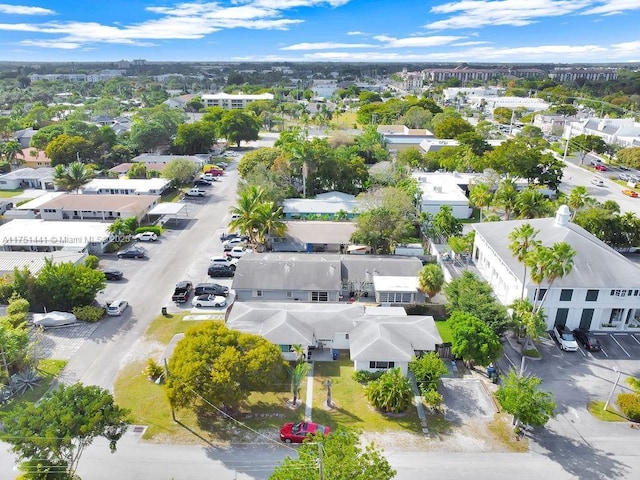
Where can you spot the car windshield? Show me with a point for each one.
(568, 337)
(296, 428)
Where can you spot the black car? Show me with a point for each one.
(230, 236)
(132, 252)
(112, 274)
(220, 270)
(201, 182)
(588, 340)
(211, 289)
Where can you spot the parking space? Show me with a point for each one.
(618, 346)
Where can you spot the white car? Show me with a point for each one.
(209, 301)
(146, 237)
(597, 182)
(565, 339)
(238, 252)
(195, 192)
(54, 319)
(224, 260)
(234, 242)
(117, 307)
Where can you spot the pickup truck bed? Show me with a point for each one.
(182, 292)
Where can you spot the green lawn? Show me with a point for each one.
(444, 330)
(610, 415)
(350, 406)
(10, 193)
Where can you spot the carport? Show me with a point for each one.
(168, 211)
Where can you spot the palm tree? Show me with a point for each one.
(11, 149)
(532, 204)
(268, 222)
(73, 176)
(244, 212)
(431, 279)
(528, 321)
(549, 263)
(578, 198)
(523, 241)
(298, 374)
(505, 197)
(480, 196)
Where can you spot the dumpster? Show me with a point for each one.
(335, 354)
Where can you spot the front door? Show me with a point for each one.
(585, 319)
(561, 317)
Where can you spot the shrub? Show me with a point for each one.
(92, 262)
(391, 392)
(112, 247)
(88, 313)
(153, 370)
(629, 403)
(432, 398)
(150, 228)
(364, 377)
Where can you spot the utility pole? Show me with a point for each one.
(329, 393)
(320, 471)
(166, 374)
(606, 405)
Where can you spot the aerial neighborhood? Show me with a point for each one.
(248, 254)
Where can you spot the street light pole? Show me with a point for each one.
(606, 405)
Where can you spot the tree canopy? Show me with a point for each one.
(180, 171)
(342, 457)
(521, 397)
(473, 340)
(238, 126)
(222, 367)
(51, 435)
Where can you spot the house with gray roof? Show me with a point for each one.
(602, 291)
(325, 205)
(320, 278)
(613, 131)
(314, 236)
(27, 177)
(378, 338)
(199, 161)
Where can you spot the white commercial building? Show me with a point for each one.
(126, 186)
(232, 102)
(440, 189)
(624, 132)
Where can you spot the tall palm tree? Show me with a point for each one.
(431, 279)
(245, 220)
(532, 204)
(578, 198)
(268, 222)
(549, 263)
(298, 374)
(523, 241)
(505, 197)
(72, 176)
(11, 149)
(480, 195)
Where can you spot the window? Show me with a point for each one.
(541, 292)
(561, 317)
(285, 348)
(289, 294)
(319, 296)
(619, 293)
(382, 364)
(592, 296)
(258, 293)
(566, 294)
(395, 297)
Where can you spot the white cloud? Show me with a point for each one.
(468, 44)
(50, 44)
(356, 32)
(326, 46)
(612, 7)
(24, 10)
(480, 13)
(432, 41)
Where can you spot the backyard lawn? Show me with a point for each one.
(47, 370)
(10, 193)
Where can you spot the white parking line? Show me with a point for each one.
(582, 352)
(605, 353)
(513, 365)
(634, 337)
(621, 347)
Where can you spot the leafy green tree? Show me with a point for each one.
(445, 225)
(480, 196)
(391, 392)
(629, 156)
(265, 156)
(192, 138)
(371, 146)
(503, 115)
(411, 156)
(583, 144)
(137, 170)
(522, 398)
(65, 149)
(50, 436)
(72, 176)
(563, 109)
(473, 340)
(343, 457)
(549, 264)
(471, 295)
(220, 366)
(149, 136)
(122, 227)
(180, 171)
(428, 369)
(417, 117)
(237, 126)
(451, 127)
(527, 321)
(506, 197)
(14, 341)
(63, 286)
(431, 279)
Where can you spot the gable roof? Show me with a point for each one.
(596, 265)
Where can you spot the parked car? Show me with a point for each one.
(630, 193)
(202, 182)
(228, 236)
(597, 182)
(225, 260)
(116, 307)
(214, 172)
(146, 237)
(210, 289)
(54, 319)
(588, 340)
(233, 242)
(112, 274)
(565, 339)
(624, 167)
(601, 168)
(238, 252)
(301, 431)
(195, 192)
(132, 252)
(623, 176)
(209, 300)
(221, 270)
(182, 292)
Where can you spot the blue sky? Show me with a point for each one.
(510, 31)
